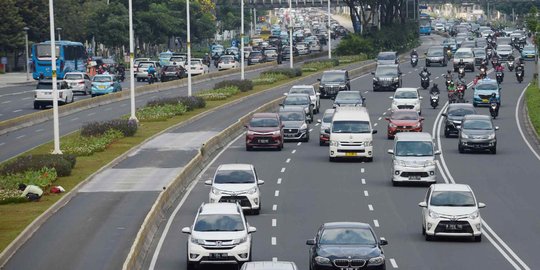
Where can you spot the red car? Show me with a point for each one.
(264, 130)
(404, 121)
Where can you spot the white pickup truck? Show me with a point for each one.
(43, 95)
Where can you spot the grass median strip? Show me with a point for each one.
(532, 97)
(14, 217)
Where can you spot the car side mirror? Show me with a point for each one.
(421, 98)
(285, 94)
(333, 98)
(319, 121)
(391, 97)
(481, 205)
(444, 114)
(496, 128)
(400, 73)
(186, 230)
(372, 73)
(319, 80)
(251, 229)
(437, 152)
(374, 131)
(260, 182)
(281, 105)
(390, 151)
(327, 131)
(422, 118)
(208, 182)
(422, 204)
(383, 242)
(310, 242)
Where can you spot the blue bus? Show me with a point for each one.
(70, 56)
(425, 24)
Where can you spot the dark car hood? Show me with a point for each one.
(292, 124)
(455, 118)
(263, 129)
(355, 252)
(481, 132)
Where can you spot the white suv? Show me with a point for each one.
(407, 98)
(451, 210)
(219, 235)
(236, 183)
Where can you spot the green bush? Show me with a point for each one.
(43, 178)
(61, 163)
(269, 79)
(243, 85)
(345, 59)
(289, 72)
(191, 103)
(11, 196)
(127, 127)
(86, 146)
(219, 94)
(317, 65)
(160, 113)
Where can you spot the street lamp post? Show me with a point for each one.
(133, 116)
(290, 36)
(188, 66)
(329, 34)
(56, 128)
(26, 42)
(59, 29)
(242, 40)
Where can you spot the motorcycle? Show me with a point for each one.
(519, 75)
(489, 52)
(414, 60)
(494, 62)
(494, 109)
(448, 80)
(483, 72)
(460, 91)
(500, 76)
(434, 98)
(510, 65)
(452, 98)
(461, 72)
(152, 78)
(424, 81)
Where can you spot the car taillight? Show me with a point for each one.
(81, 82)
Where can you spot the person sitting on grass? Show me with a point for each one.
(31, 192)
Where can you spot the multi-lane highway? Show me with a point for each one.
(302, 190)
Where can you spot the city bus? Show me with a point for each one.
(425, 24)
(70, 56)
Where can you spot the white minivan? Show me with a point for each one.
(413, 158)
(351, 134)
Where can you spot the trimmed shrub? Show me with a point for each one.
(269, 79)
(243, 85)
(8, 196)
(289, 72)
(86, 146)
(61, 163)
(219, 94)
(190, 103)
(127, 127)
(160, 113)
(319, 64)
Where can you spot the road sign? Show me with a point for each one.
(3, 60)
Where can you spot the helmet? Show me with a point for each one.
(460, 60)
(425, 69)
(452, 83)
(414, 50)
(435, 85)
(493, 95)
(448, 71)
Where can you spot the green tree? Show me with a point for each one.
(11, 28)
(531, 20)
(109, 24)
(35, 14)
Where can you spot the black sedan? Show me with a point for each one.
(171, 72)
(346, 245)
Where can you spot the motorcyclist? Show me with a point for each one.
(520, 66)
(207, 59)
(493, 99)
(425, 72)
(494, 59)
(451, 87)
(152, 71)
(414, 53)
(477, 78)
(449, 76)
(434, 90)
(499, 68)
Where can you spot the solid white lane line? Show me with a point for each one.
(186, 195)
(283, 169)
(370, 207)
(2, 143)
(519, 124)
(92, 113)
(276, 193)
(362, 170)
(503, 244)
(20, 137)
(26, 98)
(288, 160)
(299, 143)
(393, 263)
(7, 101)
(366, 193)
(363, 181)
(310, 130)
(75, 119)
(514, 264)
(274, 207)
(293, 151)
(274, 241)
(376, 223)
(108, 109)
(279, 181)
(39, 130)
(274, 222)
(380, 118)
(16, 111)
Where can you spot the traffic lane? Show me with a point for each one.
(505, 181)
(111, 214)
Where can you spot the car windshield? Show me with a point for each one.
(435, 53)
(386, 71)
(351, 127)
(292, 116)
(264, 122)
(102, 79)
(463, 54)
(477, 124)
(169, 68)
(217, 223)
(406, 95)
(177, 59)
(386, 56)
(486, 86)
(327, 118)
(460, 112)
(270, 52)
(294, 100)
(44, 51)
(347, 236)
(73, 77)
(195, 62)
(234, 177)
(452, 198)
(333, 77)
(145, 65)
(504, 48)
(528, 48)
(414, 148)
(397, 115)
(42, 85)
(479, 53)
(298, 90)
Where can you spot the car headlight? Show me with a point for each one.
(491, 136)
(392, 125)
(342, 86)
(216, 191)
(249, 132)
(474, 215)
(276, 133)
(464, 135)
(322, 260)
(252, 190)
(368, 143)
(197, 241)
(400, 163)
(418, 124)
(304, 126)
(395, 79)
(429, 163)
(240, 240)
(433, 214)
(376, 261)
(334, 143)
(375, 79)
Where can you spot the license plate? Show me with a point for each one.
(350, 154)
(263, 141)
(218, 255)
(102, 87)
(233, 201)
(454, 227)
(485, 100)
(289, 135)
(530, 56)
(415, 177)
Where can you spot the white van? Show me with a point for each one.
(413, 158)
(351, 134)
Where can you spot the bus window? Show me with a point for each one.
(44, 51)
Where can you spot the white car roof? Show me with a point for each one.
(303, 86)
(406, 89)
(235, 166)
(450, 187)
(219, 208)
(413, 136)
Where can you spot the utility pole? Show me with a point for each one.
(242, 40)
(27, 58)
(56, 128)
(290, 35)
(329, 35)
(133, 116)
(188, 66)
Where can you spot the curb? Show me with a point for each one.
(528, 124)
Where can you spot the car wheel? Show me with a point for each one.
(331, 159)
(423, 230)
(36, 106)
(72, 98)
(190, 266)
(446, 133)
(478, 238)
(306, 139)
(493, 150)
(321, 143)
(461, 149)
(256, 211)
(93, 95)
(429, 237)
(395, 183)
(249, 148)
(369, 159)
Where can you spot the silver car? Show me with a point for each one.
(477, 132)
(269, 265)
(78, 82)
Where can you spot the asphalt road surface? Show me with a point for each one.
(303, 189)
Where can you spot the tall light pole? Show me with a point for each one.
(133, 116)
(242, 40)
(56, 128)
(26, 42)
(59, 29)
(188, 66)
(290, 36)
(329, 35)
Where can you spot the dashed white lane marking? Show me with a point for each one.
(92, 113)
(274, 207)
(365, 92)
(363, 181)
(317, 124)
(376, 223)
(436, 78)
(375, 124)
(370, 207)
(276, 194)
(274, 222)
(415, 69)
(108, 109)
(388, 109)
(279, 181)
(283, 169)
(26, 98)
(75, 119)
(2, 143)
(39, 130)
(16, 111)
(362, 170)
(274, 241)
(393, 263)
(293, 151)
(288, 160)
(310, 130)
(380, 118)
(366, 193)
(123, 105)
(300, 143)
(403, 75)
(384, 113)
(410, 72)
(274, 259)
(22, 136)
(7, 101)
